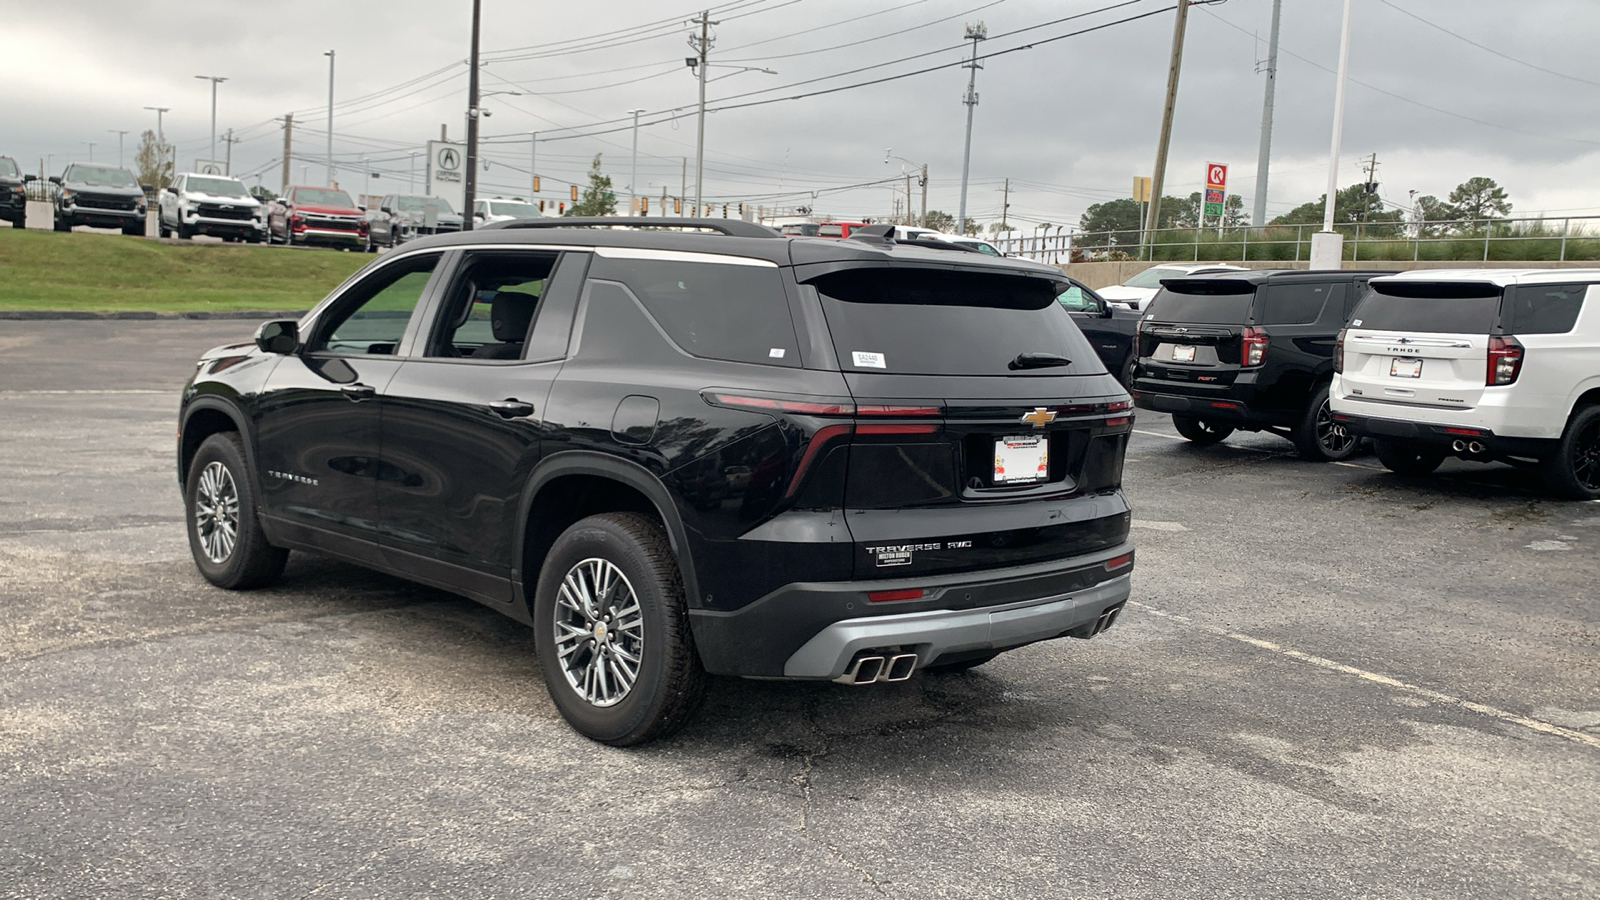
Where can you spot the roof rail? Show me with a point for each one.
(886, 234)
(729, 227)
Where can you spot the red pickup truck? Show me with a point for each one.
(316, 215)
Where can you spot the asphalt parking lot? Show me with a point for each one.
(1333, 683)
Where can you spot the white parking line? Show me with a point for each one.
(1415, 690)
(126, 391)
(1171, 437)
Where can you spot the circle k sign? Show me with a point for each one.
(1216, 175)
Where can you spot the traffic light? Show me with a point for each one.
(677, 206)
(574, 193)
(724, 210)
(644, 206)
(536, 184)
(541, 206)
(561, 208)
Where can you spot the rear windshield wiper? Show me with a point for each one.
(1038, 361)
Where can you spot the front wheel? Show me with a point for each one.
(1201, 431)
(61, 223)
(612, 631)
(1573, 471)
(134, 229)
(1404, 458)
(225, 536)
(1318, 437)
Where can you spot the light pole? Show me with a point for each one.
(974, 33)
(366, 168)
(533, 166)
(119, 133)
(91, 149)
(922, 181)
(161, 138)
(1327, 245)
(330, 55)
(412, 181)
(633, 173)
(215, 80)
(469, 186)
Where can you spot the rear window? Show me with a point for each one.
(728, 311)
(934, 322)
(1293, 304)
(831, 231)
(1438, 308)
(1222, 303)
(1542, 308)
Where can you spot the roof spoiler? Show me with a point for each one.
(729, 227)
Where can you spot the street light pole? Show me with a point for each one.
(974, 33)
(119, 133)
(470, 182)
(633, 173)
(161, 138)
(329, 55)
(1327, 245)
(91, 149)
(215, 80)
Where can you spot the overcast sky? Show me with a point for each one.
(1070, 122)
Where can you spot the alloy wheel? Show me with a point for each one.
(599, 632)
(216, 512)
(1334, 437)
(1586, 456)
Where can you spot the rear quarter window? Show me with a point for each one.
(1542, 308)
(729, 311)
(1293, 304)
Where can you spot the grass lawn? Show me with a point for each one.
(44, 270)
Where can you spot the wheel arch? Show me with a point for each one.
(568, 486)
(203, 417)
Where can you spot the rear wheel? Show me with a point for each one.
(612, 631)
(1318, 437)
(1573, 471)
(1201, 431)
(225, 536)
(1405, 458)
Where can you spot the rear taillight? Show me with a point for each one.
(817, 407)
(1505, 360)
(1338, 352)
(1254, 347)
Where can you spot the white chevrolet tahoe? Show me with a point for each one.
(1481, 364)
(210, 204)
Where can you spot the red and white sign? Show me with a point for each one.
(1216, 176)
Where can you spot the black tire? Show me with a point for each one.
(1127, 370)
(669, 683)
(61, 224)
(161, 227)
(288, 234)
(218, 470)
(1318, 437)
(1405, 458)
(134, 230)
(1573, 471)
(965, 665)
(185, 233)
(254, 238)
(1201, 431)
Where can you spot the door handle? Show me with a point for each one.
(511, 408)
(358, 392)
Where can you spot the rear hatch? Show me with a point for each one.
(1421, 344)
(1193, 331)
(987, 432)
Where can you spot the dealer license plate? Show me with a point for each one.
(1183, 354)
(1021, 459)
(1405, 368)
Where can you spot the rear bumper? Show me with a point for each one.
(812, 630)
(1444, 437)
(1228, 404)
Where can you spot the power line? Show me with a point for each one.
(1488, 49)
(869, 40)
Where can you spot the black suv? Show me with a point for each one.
(13, 192)
(683, 447)
(101, 197)
(1248, 351)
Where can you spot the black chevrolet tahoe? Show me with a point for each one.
(1248, 351)
(681, 448)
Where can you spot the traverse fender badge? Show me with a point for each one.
(1039, 418)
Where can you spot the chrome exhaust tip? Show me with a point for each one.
(865, 670)
(1475, 447)
(1459, 446)
(900, 667)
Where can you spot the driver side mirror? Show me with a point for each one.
(280, 337)
(386, 210)
(28, 178)
(147, 188)
(55, 179)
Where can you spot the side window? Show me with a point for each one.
(372, 316)
(831, 231)
(1542, 308)
(731, 311)
(178, 185)
(489, 310)
(1293, 304)
(1076, 299)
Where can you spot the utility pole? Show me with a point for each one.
(411, 180)
(924, 221)
(288, 145)
(1259, 214)
(329, 55)
(683, 186)
(1327, 245)
(973, 33)
(1005, 207)
(229, 140)
(470, 183)
(908, 199)
(119, 133)
(702, 45)
(633, 173)
(1158, 177)
(533, 163)
(91, 149)
(215, 80)
(1370, 186)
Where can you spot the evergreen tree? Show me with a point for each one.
(598, 199)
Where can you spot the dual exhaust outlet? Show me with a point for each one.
(1473, 447)
(874, 666)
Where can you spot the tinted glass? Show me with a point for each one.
(103, 176)
(1292, 304)
(831, 231)
(324, 196)
(421, 204)
(7, 167)
(378, 309)
(725, 311)
(930, 322)
(1151, 278)
(467, 323)
(1458, 311)
(220, 187)
(1542, 308)
(513, 208)
(1199, 309)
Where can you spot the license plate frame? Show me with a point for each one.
(1021, 459)
(1183, 353)
(1401, 367)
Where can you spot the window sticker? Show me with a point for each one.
(868, 360)
(1356, 322)
(775, 353)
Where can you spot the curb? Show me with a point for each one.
(36, 315)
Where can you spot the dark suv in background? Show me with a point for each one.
(100, 197)
(675, 454)
(13, 192)
(1248, 351)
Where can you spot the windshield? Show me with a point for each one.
(102, 176)
(324, 196)
(1151, 278)
(513, 208)
(937, 322)
(421, 204)
(7, 167)
(980, 246)
(217, 187)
